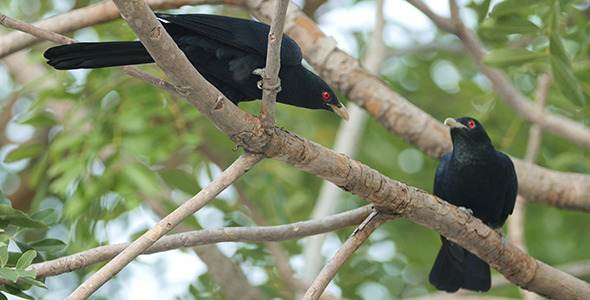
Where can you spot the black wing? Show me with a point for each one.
(247, 35)
(441, 176)
(511, 183)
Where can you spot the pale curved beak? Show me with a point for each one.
(341, 111)
(453, 124)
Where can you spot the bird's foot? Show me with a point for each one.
(259, 72)
(273, 88)
(466, 210)
(501, 233)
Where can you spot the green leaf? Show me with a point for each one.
(24, 221)
(17, 292)
(2, 296)
(142, 177)
(25, 273)
(47, 216)
(511, 24)
(38, 171)
(3, 254)
(181, 180)
(26, 259)
(7, 210)
(509, 7)
(510, 57)
(481, 9)
(567, 82)
(557, 49)
(9, 274)
(49, 245)
(34, 282)
(4, 200)
(23, 152)
(43, 119)
(18, 218)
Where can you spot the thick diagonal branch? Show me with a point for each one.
(396, 114)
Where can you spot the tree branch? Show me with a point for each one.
(231, 174)
(270, 80)
(227, 274)
(396, 114)
(204, 237)
(358, 237)
(399, 116)
(348, 142)
(516, 221)
(567, 128)
(387, 194)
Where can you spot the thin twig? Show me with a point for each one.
(371, 223)
(231, 174)
(271, 83)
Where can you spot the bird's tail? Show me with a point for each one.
(97, 55)
(456, 268)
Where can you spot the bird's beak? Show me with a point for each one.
(340, 110)
(453, 124)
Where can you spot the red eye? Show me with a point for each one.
(326, 95)
(471, 123)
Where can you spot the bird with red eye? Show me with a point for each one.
(228, 52)
(481, 179)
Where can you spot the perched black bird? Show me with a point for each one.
(478, 177)
(224, 50)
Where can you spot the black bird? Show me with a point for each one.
(224, 50)
(478, 177)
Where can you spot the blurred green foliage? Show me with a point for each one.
(120, 141)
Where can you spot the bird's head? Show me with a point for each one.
(468, 132)
(303, 88)
(330, 102)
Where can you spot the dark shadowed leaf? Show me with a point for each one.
(49, 245)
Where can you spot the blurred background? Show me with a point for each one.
(111, 154)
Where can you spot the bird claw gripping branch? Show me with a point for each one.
(274, 88)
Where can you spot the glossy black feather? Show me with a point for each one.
(476, 176)
(224, 50)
